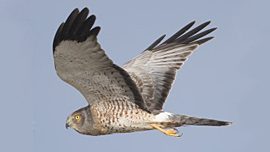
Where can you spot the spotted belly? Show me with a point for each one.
(122, 116)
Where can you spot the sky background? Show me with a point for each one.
(227, 78)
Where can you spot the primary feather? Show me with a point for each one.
(154, 69)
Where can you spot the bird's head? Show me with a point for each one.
(80, 120)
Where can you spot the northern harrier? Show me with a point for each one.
(130, 98)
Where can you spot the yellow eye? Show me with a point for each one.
(78, 118)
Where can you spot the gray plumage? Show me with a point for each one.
(123, 99)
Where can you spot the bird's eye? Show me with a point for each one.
(78, 118)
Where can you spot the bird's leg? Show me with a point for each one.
(170, 132)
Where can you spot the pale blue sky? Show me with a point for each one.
(227, 78)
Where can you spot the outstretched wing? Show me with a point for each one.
(80, 61)
(154, 69)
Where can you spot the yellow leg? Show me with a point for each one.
(169, 132)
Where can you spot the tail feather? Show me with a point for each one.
(181, 120)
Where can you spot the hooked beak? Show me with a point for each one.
(67, 126)
(68, 122)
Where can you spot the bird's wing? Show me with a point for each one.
(80, 61)
(154, 69)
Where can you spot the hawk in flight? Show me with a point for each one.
(129, 98)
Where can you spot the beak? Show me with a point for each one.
(68, 122)
(67, 126)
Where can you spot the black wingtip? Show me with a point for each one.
(70, 20)
(77, 27)
(155, 43)
(57, 36)
(85, 10)
(207, 22)
(190, 24)
(179, 33)
(186, 35)
(75, 11)
(95, 31)
(203, 25)
(201, 41)
(198, 36)
(214, 28)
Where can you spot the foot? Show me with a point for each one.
(173, 132)
(170, 132)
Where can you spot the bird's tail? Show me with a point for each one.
(180, 120)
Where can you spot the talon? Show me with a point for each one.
(170, 132)
(173, 132)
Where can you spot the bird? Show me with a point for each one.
(128, 98)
